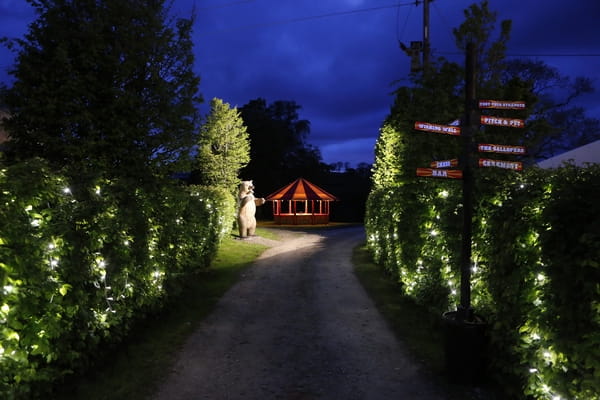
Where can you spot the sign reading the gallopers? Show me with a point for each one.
(444, 163)
(499, 121)
(446, 129)
(440, 173)
(500, 148)
(502, 105)
(514, 165)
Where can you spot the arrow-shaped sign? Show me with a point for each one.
(514, 165)
(446, 129)
(500, 148)
(499, 121)
(502, 104)
(440, 173)
(444, 163)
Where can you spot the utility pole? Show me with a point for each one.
(421, 48)
(426, 45)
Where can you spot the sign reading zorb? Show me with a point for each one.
(499, 121)
(445, 129)
(514, 165)
(440, 173)
(500, 148)
(444, 163)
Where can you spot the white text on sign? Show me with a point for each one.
(498, 121)
(445, 129)
(514, 165)
(440, 173)
(444, 163)
(499, 148)
(502, 105)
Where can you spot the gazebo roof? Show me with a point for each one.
(301, 189)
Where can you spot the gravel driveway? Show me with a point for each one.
(298, 325)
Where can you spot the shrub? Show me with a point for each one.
(535, 269)
(79, 264)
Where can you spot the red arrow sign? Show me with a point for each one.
(502, 105)
(440, 173)
(444, 163)
(500, 148)
(514, 165)
(498, 121)
(446, 129)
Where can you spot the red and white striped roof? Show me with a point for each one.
(301, 189)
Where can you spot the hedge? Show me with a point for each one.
(78, 265)
(535, 271)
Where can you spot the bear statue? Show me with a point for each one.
(247, 209)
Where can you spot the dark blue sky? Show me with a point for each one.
(339, 59)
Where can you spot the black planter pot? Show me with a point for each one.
(465, 345)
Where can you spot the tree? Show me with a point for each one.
(279, 151)
(223, 147)
(104, 87)
(386, 169)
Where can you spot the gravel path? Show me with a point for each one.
(297, 326)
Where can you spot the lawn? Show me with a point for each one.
(414, 325)
(133, 369)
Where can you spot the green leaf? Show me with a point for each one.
(64, 289)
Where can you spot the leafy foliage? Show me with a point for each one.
(539, 290)
(223, 147)
(279, 152)
(104, 86)
(79, 266)
(535, 273)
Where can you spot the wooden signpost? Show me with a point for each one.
(501, 148)
(514, 165)
(502, 104)
(440, 173)
(499, 121)
(470, 125)
(444, 163)
(446, 129)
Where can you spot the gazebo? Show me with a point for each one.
(301, 203)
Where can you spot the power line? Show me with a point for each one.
(531, 54)
(233, 3)
(400, 34)
(319, 16)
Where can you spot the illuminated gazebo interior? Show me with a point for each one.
(301, 203)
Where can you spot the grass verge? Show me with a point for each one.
(415, 326)
(133, 369)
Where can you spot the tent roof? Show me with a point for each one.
(589, 153)
(301, 189)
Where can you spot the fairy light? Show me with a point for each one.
(66, 190)
(541, 278)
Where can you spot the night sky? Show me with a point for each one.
(340, 59)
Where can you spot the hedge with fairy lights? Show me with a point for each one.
(79, 265)
(535, 276)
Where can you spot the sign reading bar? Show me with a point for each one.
(502, 105)
(498, 121)
(500, 148)
(440, 173)
(446, 129)
(514, 165)
(444, 163)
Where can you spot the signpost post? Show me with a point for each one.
(464, 330)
